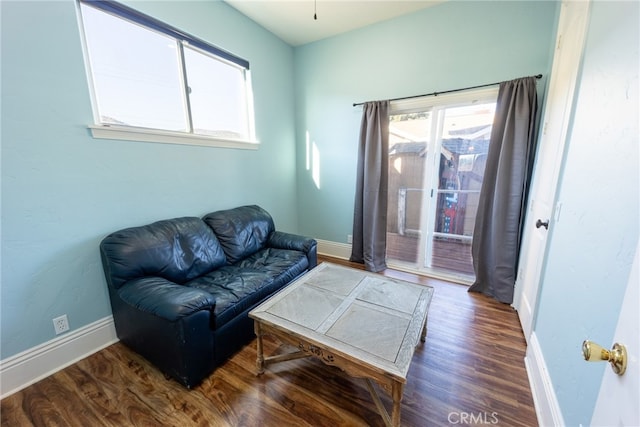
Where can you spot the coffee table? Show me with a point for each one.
(364, 323)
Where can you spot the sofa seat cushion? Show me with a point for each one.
(242, 285)
(283, 265)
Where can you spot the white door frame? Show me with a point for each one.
(570, 40)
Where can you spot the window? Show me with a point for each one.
(437, 152)
(153, 82)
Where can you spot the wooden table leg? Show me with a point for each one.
(396, 391)
(376, 399)
(257, 327)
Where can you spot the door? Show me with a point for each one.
(566, 62)
(437, 152)
(617, 403)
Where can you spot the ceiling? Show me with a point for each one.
(292, 20)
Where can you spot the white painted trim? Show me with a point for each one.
(334, 249)
(130, 133)
(523, 307)
(466, 97)
(544, 397)
(34, 364)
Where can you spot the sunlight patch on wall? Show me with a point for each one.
(313, 160)
(308, 151)
(315, 172)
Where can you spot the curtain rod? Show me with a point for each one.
(355, 104)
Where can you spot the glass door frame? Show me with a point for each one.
(436, 105)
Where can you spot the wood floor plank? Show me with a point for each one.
(471, 363)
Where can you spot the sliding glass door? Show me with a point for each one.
(437, 152)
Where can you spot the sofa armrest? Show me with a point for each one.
(281, 240)
(165, 299)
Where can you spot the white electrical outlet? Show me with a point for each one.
(61, 324)
(349, 238)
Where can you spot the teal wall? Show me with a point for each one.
(63, 191)
(592, 245)
(451, 45)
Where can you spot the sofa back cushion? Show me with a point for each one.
(178, 250)
(241, 231)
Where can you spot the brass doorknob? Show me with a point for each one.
(617, 356)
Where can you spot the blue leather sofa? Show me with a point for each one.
(181, 289)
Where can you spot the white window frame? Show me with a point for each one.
(102, 130)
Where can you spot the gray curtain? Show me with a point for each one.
(370, 211)
(498, 226)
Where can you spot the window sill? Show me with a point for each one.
(128, 133)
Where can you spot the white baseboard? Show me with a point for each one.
(333, 249)
(34, 364)
(525, 315)
(544, 397)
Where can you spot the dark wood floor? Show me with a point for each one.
(470, 369)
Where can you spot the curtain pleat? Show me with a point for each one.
(370, 208)
(498, 226)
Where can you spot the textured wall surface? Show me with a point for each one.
(592, 245)
(448, 46)
(63, 191)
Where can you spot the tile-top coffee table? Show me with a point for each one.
(364, 323)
